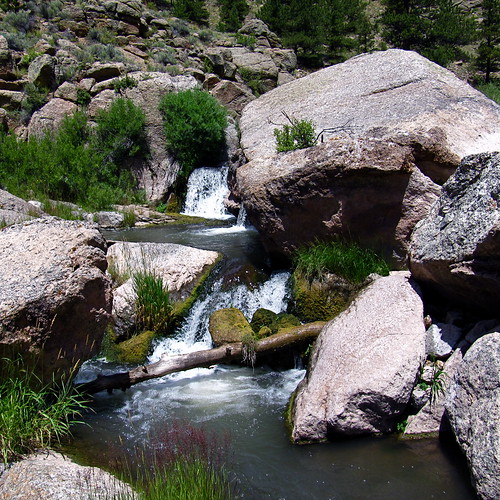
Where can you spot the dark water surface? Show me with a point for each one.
(249, 404)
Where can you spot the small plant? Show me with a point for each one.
(246, 40)
(34, 98)
(298, 135)
(401, 426)
(121, 84)
(437, 382)
(83, 97)
(129, 218)
(249, 345)
(33, 414)
(253, 80)
(491, 90)
(346, 259)
(152, 304)
(61, 210)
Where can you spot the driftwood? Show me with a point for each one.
(200, 359)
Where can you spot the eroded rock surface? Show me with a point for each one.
(51, 475)
(456, 248)
(364, 364)
(473, 408)
(55, 299)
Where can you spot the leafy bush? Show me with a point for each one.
(21, 20)
(33, 414)
(194, 124)
(152, 303)
(347, 260)
(300, 134)
(127, 82)
(491, 90)
(192, 10)
(34, 98)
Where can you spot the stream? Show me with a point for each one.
(248, 404)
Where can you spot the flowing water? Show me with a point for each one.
(249, 403)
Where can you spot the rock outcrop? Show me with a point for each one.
(455, 249)
(55, 299)
(364, 364)
(51, 475)
(14, 209)
(473, 408)
(366, 189)
(382, 94)
(181, 269)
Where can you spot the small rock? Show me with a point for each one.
(441, 339)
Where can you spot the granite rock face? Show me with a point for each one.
(14, 209)
(382, 94)
(456, 248)
(55, 299)
(366, 189)
(473, 408)
(364, 364)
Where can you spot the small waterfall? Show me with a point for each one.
(194, 334)
(207, 188)
(241, 221)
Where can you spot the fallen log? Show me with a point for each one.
(200, 359)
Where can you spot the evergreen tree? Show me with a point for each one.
(435, 28)
(488, 58)
(192, 10)
(232, 13)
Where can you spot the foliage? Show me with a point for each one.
(254, 80)
(121, 84)
(19, 20)
(33, 414)
(488, 56)
(246, 40)
(83, 97)
(129, 218)
(298, 135)
(435, 28)
(34, 98)
(192, 10)
(232, 13)
(10, 5)
(152, 304)
(77, 163)
(332, 29)
(491, 90)
(194, 124)
(61, 210)
(345, 259)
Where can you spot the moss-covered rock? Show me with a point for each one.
(285, 320)
(262, 317)
(135, 349)
(320, 300)
(228, 325)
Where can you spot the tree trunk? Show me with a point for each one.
(180, 362)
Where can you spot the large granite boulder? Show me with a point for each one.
(49, 117)
(47, 474)
(366, 189)
(473, 408)
(181, 268)
(55, 299)
(364, 364)
(14, 209)
(384, 94)
(456, 248)
(41, 71)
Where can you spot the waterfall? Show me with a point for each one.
(206, 190)
(194, 334)
(242, 217)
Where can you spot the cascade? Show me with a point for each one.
(206, 190)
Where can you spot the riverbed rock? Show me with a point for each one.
(229, 325)
(361, 188)
(473, 408)
(182, 269)
(383, 94)
(48, 474)
(14, 209)
(55, 299)
(364, 364)
(455, 249)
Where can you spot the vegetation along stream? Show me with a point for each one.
(248, 405)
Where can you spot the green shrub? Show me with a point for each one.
(127, 82)
(192, 10)
(491, 90)
(347, 260)
(152, 304)
(34, 98)
(21, 20)
(298, 135)
(83, 97)
(33, 414)
(253, 80)
(194, 124)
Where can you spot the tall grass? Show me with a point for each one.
(33, 414)
(347, 260)
(491, 90)
(152, 304)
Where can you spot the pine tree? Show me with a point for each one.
(232, 13)
(488, 58)
(192, 10)
(435, 28)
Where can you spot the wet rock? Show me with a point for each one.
(455, 249)
(441, 339)
(364, 364)
(51, 475)
(473, 408)
(228, 325)
(55, 299)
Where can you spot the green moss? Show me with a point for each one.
(263, 318)
(135, 349)
(229, 325)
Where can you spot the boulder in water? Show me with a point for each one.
(229, 325)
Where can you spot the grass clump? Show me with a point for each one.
(298, 135)
(491, 90)
(33, 414)
(194, 124)
(152, 304)
(347, 260)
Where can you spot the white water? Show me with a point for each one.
(207, 188)
(194, 334)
